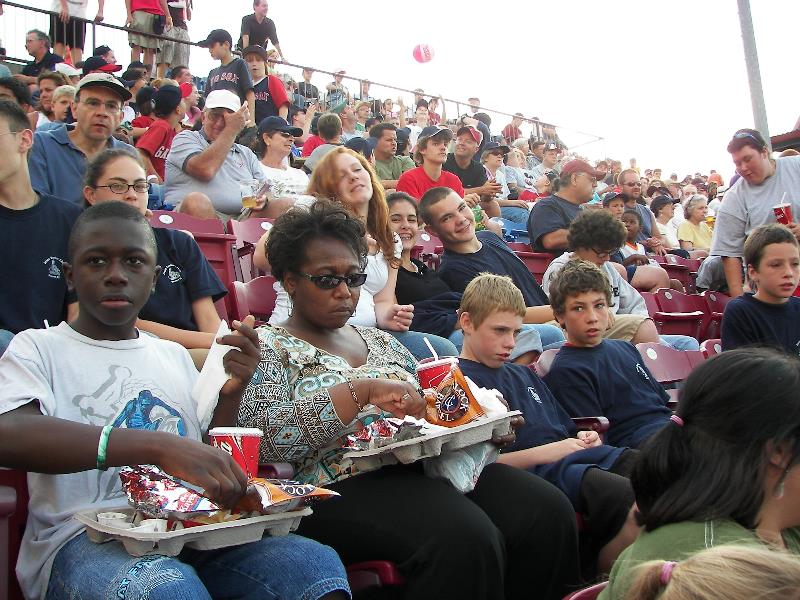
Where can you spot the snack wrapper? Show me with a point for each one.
(159, 495)
(388, 430)
(452, 403)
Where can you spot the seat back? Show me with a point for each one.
(429, 242)
(590, 593)
(536, 262)
(247, 233)
(674, 301)
(666, 364)
(546, 358)
(650, 302)
(716, 301)
(255, 297)
(711, 347)
(176, 220)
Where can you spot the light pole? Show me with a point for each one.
(753, 72)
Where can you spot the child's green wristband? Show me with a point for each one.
(102, 447)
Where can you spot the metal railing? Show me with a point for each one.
(23, 18)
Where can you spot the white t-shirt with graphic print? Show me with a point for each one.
(143, 383)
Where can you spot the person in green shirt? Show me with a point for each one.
(388, 165)
(725, 471)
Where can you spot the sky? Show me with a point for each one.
(663, 81)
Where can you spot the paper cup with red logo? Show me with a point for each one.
(432, 371)
(241, 443)
(783, 212)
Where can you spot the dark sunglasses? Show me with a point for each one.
(329, 282)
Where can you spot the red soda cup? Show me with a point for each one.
(431, 372)
(783, 213)
(241, 443)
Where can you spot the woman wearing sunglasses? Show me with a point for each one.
(274, 146)
(512, 534)
(347, 178)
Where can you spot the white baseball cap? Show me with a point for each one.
(67, 70)
(223, 99)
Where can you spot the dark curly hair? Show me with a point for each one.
(577, 276)
(293, 231)
(596, 229)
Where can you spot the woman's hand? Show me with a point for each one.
(242, 362)
(506, 440)
(399, 398)
(372, 245)
(209, 468)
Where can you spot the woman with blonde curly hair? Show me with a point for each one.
(346, 177)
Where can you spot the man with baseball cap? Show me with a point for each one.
(204, 168)
(549, 160)
(469, 171)
(270, 93)
(155, 144)
(431, 153)
(765, 182)
(98, 64)
(548, 223)
(337, 91)
(58, 158)
(232, 73)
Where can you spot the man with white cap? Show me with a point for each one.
(58, 158)
(204, 168)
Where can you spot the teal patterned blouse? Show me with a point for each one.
(289, 400)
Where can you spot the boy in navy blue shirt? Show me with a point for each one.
(232, 73)
(592, 376)
(770, 316)
(592, 475)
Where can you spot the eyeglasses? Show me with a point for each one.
(603, 253)
(285, 134)
(634, 184)
(740, 135)
(95, 104)
(140, 187)
(329, 282)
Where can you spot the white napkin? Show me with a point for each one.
(489, 400)
(213, 376)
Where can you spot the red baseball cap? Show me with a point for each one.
(580, 166)
(186, 89)
(476, 135)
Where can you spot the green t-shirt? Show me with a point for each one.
(394, 167)
(677, 541)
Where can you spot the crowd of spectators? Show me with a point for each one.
(350, 185)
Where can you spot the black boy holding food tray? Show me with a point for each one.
(62, 388)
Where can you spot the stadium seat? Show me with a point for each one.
(590, 593)
(673, 323)
(716, 302)
(431, 252)
(13, 516)
(682, 269)
(255, 297)
(711, 347)
(247, 233)
(520, 247)
(673, 301)
(537, 263)
(669, 366)
(215, 244)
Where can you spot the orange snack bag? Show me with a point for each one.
(451, 403)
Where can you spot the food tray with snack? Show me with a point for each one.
(434, 444)
(199, 537)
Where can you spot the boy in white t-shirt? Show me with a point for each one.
(80, 400)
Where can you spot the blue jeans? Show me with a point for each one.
(680, 342)
(414, 341)
(5, 339)
(274, 567)
(515, 214)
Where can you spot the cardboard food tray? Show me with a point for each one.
(433, 444)
(202, 537)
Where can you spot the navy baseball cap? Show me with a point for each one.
(433, 130)
(278, 124)
(216, 36)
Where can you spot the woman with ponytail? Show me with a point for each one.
(731, 572)
(724, 470)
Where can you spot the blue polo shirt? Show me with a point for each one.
(610, 380)
(185, 276)
(32, 285)
(57, 166)
(545, 422)
(548, 215)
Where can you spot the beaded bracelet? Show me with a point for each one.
(102, 447)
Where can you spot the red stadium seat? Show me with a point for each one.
(673, 301)
(673, 323)
(431, 249)
(590, 593)
(247, 233)
(177, 220)
(255, 297)
(716, 302)
(711, 347)
(520, 247)
(666, 364)
(537, 263)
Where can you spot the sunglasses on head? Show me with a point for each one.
(740, 135)
(329, 282)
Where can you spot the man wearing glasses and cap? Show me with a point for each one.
(765, 182)
(58, 158)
